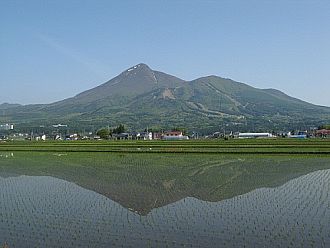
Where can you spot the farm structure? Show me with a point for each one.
(174, 135)
(254, 135)
(323, 133)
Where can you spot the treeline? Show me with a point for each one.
(106, 133)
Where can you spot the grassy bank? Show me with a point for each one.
(246, 146)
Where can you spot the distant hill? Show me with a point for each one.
(140, 97)
(8, 105)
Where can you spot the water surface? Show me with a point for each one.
(89, 200)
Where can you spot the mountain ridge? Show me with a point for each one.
(140, 97)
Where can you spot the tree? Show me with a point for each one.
(120, 129)
(103, 133)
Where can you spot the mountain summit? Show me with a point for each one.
(136, 80)
(141, 97)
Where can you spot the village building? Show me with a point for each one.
(122, 136)
(323, 133)
(254, 135)
(145, 136)
(298, 135)
(6, 126)
(157, 135)
(174, 135)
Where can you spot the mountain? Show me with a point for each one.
(8, 106)
(135, 81)
(141, 97)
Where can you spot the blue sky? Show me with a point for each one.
(51, 50)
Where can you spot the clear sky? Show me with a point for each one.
(51, 50)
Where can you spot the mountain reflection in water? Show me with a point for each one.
(46, 211)
(134, 200)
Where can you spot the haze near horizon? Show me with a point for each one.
(54, 50)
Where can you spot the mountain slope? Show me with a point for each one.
(134, 81)
(141, 97)
(8, 106)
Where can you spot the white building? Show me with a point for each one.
(145, 136)
(183, 137)
(6, 126)
(254, 135)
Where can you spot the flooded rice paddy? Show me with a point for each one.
(134, 200)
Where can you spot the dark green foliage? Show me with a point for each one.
(119, 129)
(103, 133)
